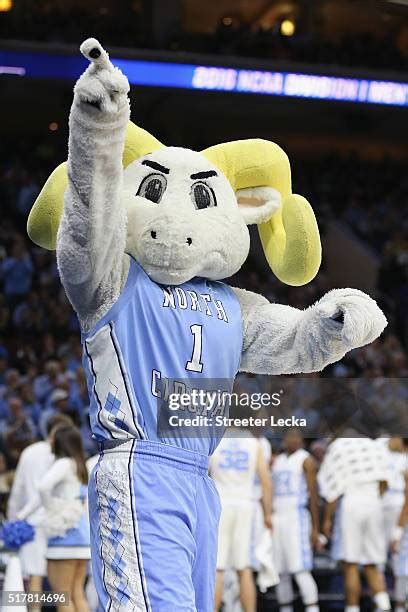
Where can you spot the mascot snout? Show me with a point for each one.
(166, 246)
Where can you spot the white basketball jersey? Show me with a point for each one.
(352, 466)
(397, 466)
(233, 468)
(288, 481)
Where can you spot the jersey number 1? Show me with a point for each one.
(195, 365)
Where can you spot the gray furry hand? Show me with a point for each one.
(363, 320)
(102, 86)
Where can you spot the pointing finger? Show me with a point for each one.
(95, 53)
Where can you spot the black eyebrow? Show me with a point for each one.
(155, 166)
(203, 175)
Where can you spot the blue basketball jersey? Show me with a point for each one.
(157, 341)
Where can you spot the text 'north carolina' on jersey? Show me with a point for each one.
(151, 337)
(288, 481)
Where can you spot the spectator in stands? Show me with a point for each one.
(72, 354)
(32, 408)
(11, 381)
(78, 392)
(27, 194)
(58, 404)
(28, 316)
(45, 384)
(17, 272)
(17, 429)
(9, 388)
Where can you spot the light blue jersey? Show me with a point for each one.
(156, 341)
(291, 518)
(289, 482)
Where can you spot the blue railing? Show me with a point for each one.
(213, 78)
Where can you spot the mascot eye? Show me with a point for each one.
(203, 196)
(152, 187)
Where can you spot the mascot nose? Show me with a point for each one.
(154, 236)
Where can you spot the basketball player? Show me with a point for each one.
(233, 466)
(34, 462)
(354, 471)
(394, 496)
(296, 528)
(400, 548)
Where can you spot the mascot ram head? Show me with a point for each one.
(187, 212)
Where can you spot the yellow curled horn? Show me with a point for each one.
(45, 215)
(290, 239)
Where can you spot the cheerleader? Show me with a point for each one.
(63, 492)
(34, 463)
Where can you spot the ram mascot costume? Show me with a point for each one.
(144, 235)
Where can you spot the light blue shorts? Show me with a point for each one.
(154, 515)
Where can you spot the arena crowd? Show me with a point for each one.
(41, 374)
(40, 353)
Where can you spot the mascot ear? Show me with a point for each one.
(258, 204)
(289, 235)
(46, 213)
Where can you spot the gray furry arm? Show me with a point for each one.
(284, 340)
(92, 234)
